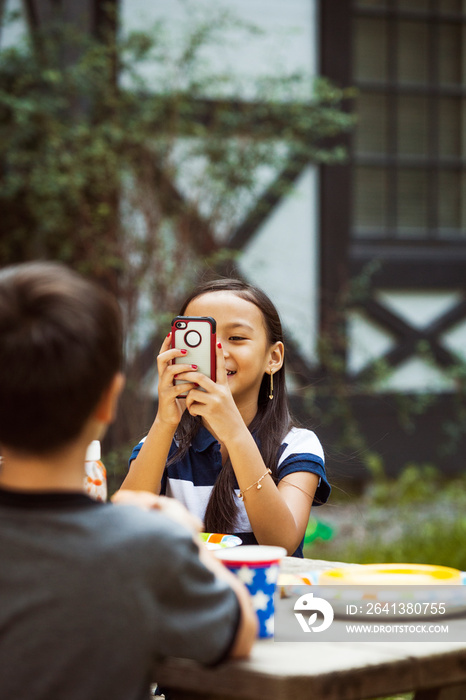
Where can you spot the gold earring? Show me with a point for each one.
(271, 385)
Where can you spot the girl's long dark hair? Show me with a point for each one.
(270, 424)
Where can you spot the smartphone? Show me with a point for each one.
(197, 335)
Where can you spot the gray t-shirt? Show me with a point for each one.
(93, 595)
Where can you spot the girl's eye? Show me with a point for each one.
(236, 337)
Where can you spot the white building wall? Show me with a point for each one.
(13, 31)
(283, 259)
(286, 41)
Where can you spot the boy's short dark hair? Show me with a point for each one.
(60, 346)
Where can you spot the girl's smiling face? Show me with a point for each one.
(242, 333)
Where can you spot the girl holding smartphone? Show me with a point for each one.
(230, 451)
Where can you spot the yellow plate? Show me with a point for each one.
(382, 574)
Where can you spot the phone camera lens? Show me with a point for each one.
(192, 339)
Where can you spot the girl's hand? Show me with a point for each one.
(215, 404)
(170, 408)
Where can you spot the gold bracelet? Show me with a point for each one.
(257, 484)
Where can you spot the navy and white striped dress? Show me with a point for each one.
(191, 479)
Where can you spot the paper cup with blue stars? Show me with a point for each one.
(257, 566)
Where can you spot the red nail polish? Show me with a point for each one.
(184, 352)
(169, 335)
(194, 366)
(219, 345)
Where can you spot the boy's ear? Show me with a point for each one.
(106, 408)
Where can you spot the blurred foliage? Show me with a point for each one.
(73, 140)
(139, 186)
(418, 517)
(415, 484)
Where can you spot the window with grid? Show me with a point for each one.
(409, 65)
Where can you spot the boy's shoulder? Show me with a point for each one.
(127, 534)
(135, 521)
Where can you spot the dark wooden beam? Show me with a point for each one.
(335, 180)
(406, 265)
(2, 9)
(40, 12)
(409, 338)
(456, 314)
(80, 14)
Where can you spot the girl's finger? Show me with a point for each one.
(194, 402)
(166, 345)
(177, 389)
(221, 369)
(174, 369)
(168, 356)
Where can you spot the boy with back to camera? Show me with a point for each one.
(92, 595)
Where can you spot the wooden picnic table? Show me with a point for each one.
(325, 670)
